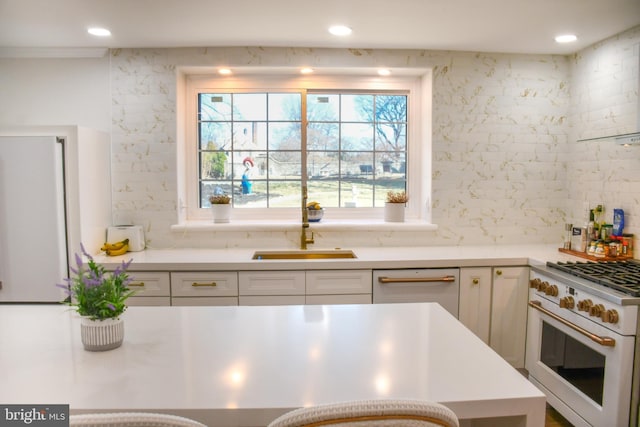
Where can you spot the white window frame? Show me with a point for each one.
(417, 84)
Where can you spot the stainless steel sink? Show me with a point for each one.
(304, 254)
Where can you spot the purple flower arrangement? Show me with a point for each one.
(95, 292)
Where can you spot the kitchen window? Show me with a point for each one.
(248, 137)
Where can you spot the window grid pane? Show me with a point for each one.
(250, 146)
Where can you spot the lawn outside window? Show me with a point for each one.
(247, 137)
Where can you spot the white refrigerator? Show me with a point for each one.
(33, 242)
(55, 193)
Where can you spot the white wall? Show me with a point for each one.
(55, 92)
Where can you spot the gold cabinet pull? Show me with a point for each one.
(603, 341)
(499, 272)
(137, 284)
(198, 285)
(475, 281)
(384, 279)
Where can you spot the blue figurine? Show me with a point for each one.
(246, 184)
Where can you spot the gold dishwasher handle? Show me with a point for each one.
(384, 279)
(197, 285)
(138, 284)
(604, 341)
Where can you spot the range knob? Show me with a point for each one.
(551, 290)
(542, 286)
(567, 302)
(596, 310)
(585, 305)
(610, 316)
(533, 283)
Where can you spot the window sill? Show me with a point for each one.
(324, 225)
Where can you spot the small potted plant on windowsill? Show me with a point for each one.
(221, 207)
(100, 298)
(395, 205)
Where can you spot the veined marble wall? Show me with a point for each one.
(604, 102)
(500, 143)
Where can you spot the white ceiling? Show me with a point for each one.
(513, 26)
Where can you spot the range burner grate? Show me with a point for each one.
(623, 276)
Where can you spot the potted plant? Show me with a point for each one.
(395, 205)
(100, 298)
(221, 207)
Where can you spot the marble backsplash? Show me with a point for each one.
(506, 167)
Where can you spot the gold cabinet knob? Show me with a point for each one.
(499, 272)
(475, 281)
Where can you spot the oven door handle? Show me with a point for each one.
(604, 341)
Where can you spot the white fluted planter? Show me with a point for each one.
(101, 335)
(394, 212)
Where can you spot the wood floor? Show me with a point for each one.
(554, 419)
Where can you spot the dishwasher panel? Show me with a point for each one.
(441, 285)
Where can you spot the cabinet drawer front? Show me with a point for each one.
(150, 284)
(204, 301)
(211, 284)
(323, 282)
(338, 299)
(272, 282)
(149, 301)
(272, 300)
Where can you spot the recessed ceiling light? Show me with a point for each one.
(340, 30)
(306, 70)
(224, 71)
(100, 32)
(384, 72)
(566, 38)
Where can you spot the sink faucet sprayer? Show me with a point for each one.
(304, 240)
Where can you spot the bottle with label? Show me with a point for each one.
(590, 228)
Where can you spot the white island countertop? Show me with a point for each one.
(244, 366)
(367, 257)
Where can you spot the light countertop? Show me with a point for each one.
(245, 366)
(367, 257)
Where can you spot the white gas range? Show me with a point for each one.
(582, 346)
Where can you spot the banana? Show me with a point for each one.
(314, 205)
(114, 246)
(121, 251)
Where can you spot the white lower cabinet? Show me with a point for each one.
(475, 300)
(493, 304)
(151, 289)
(304, 287)
(201, 301)
(338, 287)
(271, 287)
(509, 313)
(338, 299)
(204, 288)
